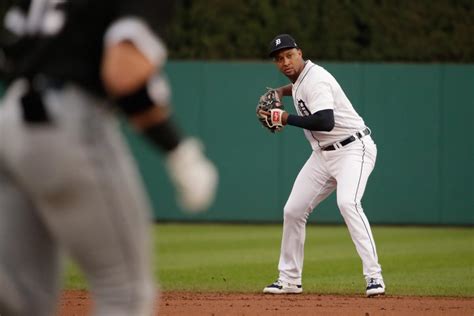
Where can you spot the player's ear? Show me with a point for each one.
(300, 52)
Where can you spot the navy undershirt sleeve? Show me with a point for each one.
(320, 121)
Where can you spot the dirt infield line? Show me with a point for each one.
(78, 303)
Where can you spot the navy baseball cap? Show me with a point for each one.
(282, 41)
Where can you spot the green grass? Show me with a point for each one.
(243, 258)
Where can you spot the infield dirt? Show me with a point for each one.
(78, 303)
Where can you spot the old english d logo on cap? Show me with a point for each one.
(281, 41)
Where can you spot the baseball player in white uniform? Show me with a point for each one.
(342, 159)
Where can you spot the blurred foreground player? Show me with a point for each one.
(67, 179)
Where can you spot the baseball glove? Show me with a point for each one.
(269, 110)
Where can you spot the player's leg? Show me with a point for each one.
(95, 204)
(352, 167)
(29, 256)
(312, 185)
(29, 264)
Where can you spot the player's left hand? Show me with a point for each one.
(272, 119)
(270, 111)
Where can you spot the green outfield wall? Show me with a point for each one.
(421, 117)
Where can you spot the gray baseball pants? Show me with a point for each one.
(70, 185)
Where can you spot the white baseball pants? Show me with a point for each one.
(345, 170)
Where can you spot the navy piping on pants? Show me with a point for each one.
(355, 197)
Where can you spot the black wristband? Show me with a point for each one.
(164, 135)
(137, 102)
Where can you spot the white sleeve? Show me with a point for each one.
(320, 97)
(136, 30)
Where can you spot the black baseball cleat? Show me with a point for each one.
(375, 287)
(281, 287)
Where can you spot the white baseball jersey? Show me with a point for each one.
(315, 90)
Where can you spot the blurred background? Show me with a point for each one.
(407, 67)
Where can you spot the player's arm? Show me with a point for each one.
(131, 75)
(320, 121)
(320, 102)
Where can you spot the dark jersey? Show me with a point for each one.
(70, 50)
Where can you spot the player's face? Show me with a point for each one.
(290, 62)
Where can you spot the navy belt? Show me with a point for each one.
(347, 141)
